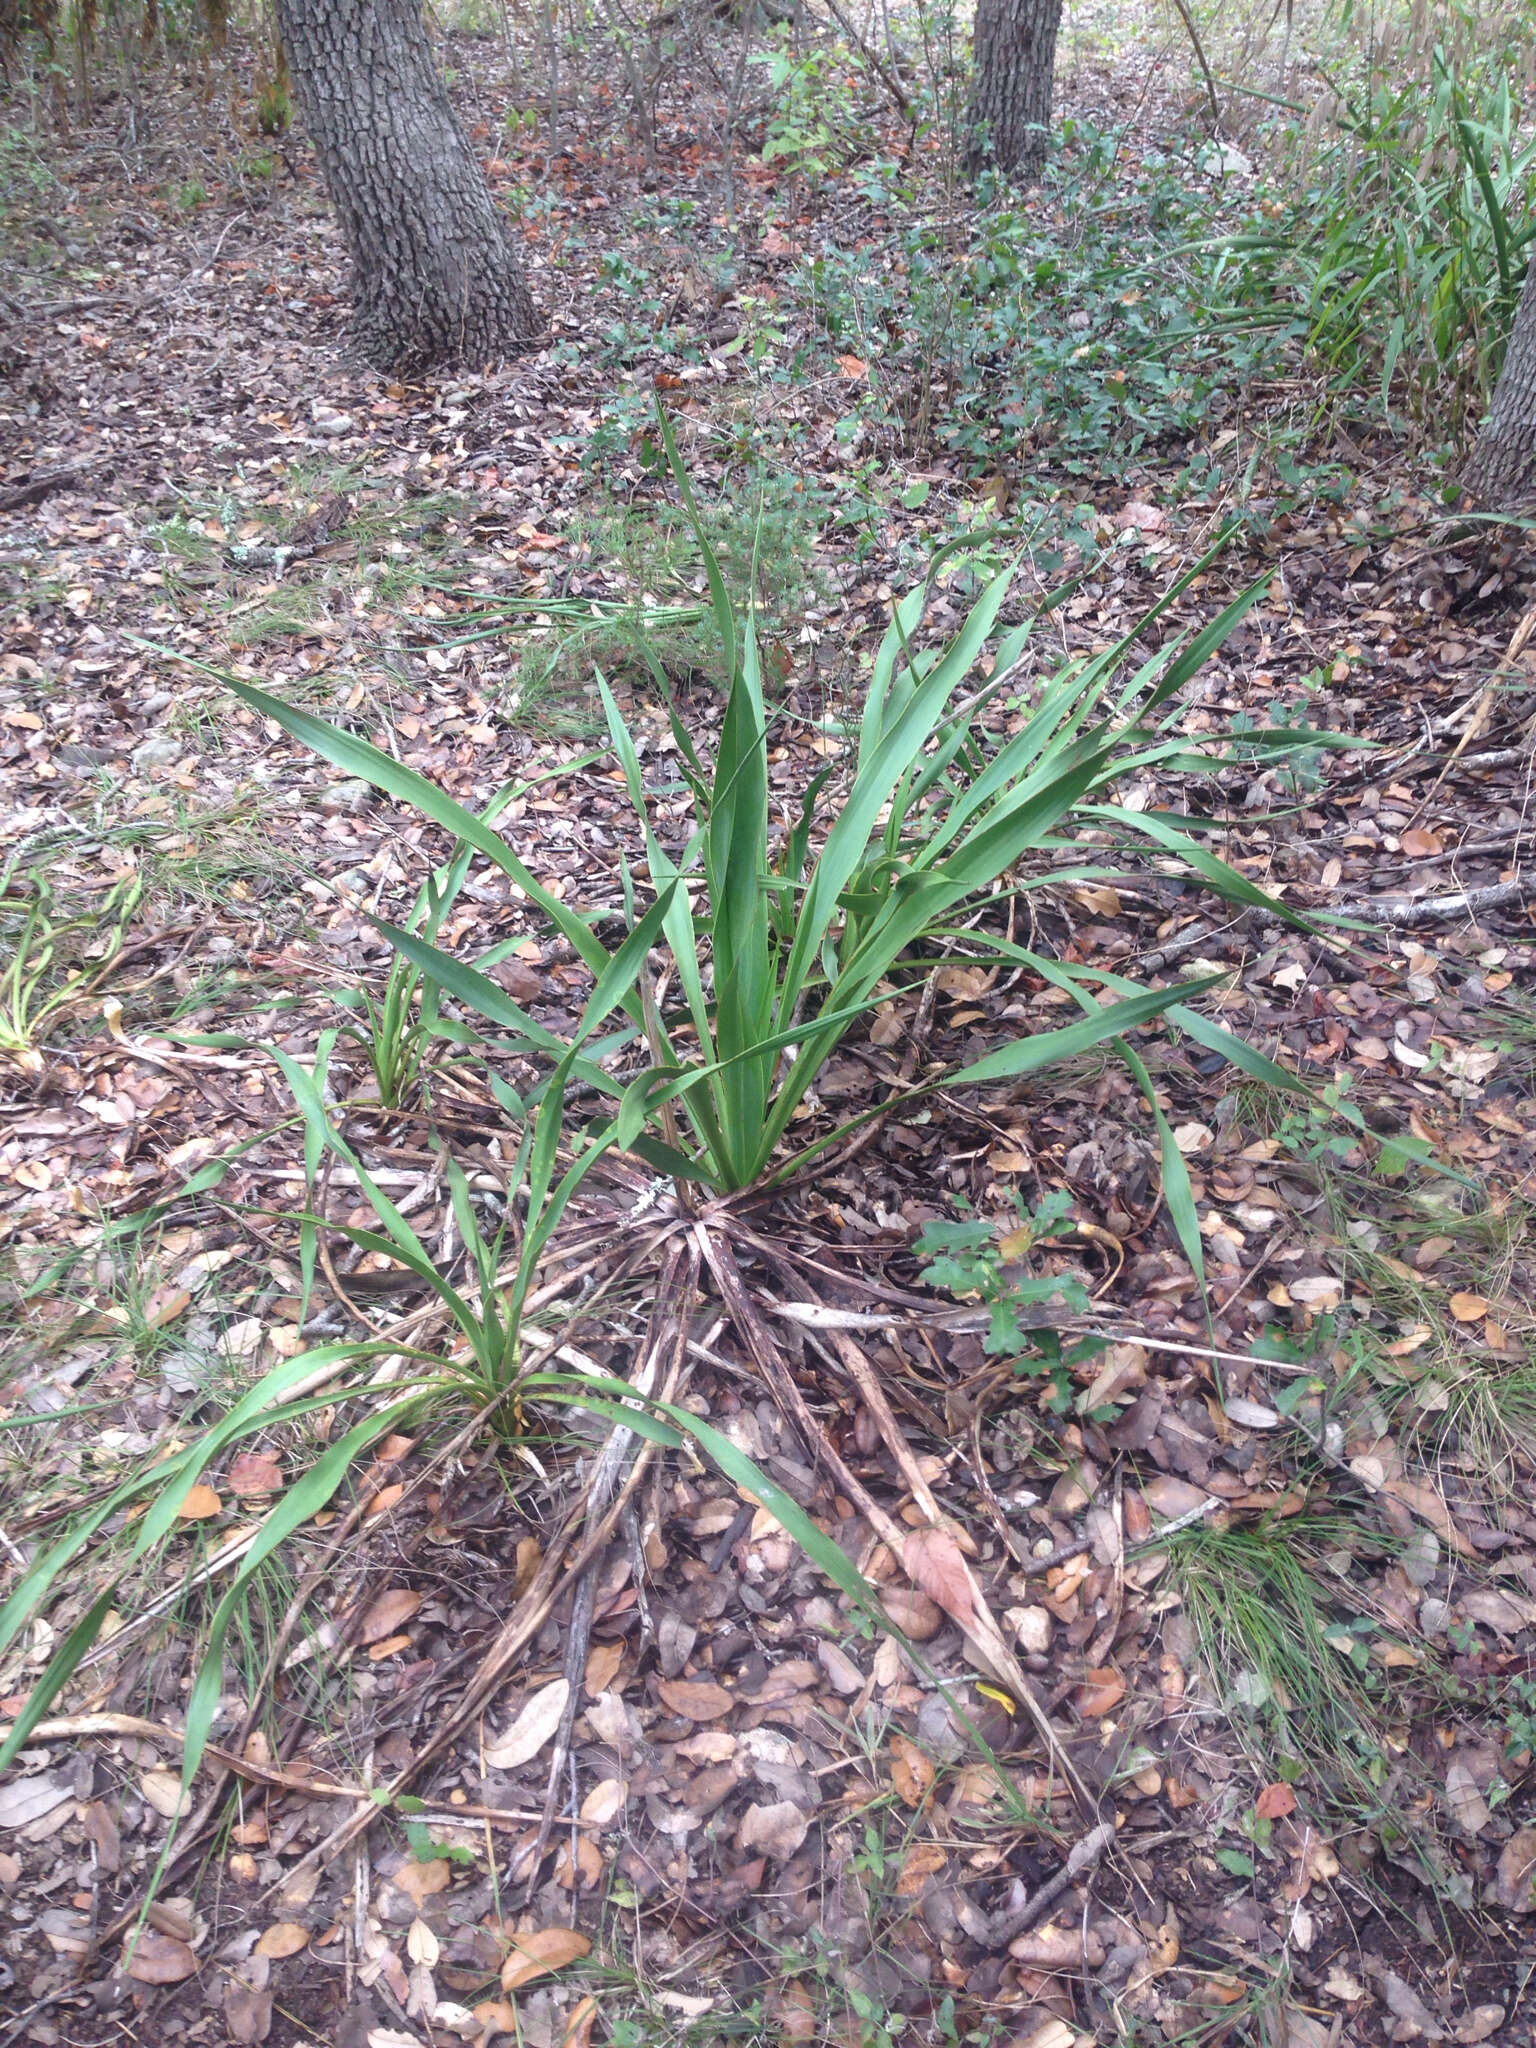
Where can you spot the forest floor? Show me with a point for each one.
(1266, 1548)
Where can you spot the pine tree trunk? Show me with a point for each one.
(1015, 58)
(435, 278)
(1501, 472)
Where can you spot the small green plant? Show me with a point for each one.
(1304, 1691)
(810, 128)
(36, 988)
(970, 1259)
(1399, 263)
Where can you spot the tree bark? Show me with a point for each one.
(435, 278)
(1501, 471)
(1009, 122)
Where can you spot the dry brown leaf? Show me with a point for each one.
(387, 1613)
(935, 1563)
(603, 1661)
(28, 1799)
(247, 2013)
(200, 1505)
(578, 2028)
(283, 1938)
(420, 1881)
(1100, 1693)
(1515, 1880)
(537, 1954)
(1421, 844)
(1468, 1308)
(792, 2009)
(253, 1473)
(535, 1723)
(776, 1830)
(694, 1699)
(1276, 1801)
(1057, 1948)
(605, 1802)
(166, 1794)
(918, 1617)
(159, 1959)
(912, 1773)
(495, 2016)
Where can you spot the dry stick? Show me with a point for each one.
(605, 1476)
(973, 1614)
(1008, 1926)
(76, 1727)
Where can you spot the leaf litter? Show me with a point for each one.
(1216, 1680)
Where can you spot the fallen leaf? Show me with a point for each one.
(1275, 1802)
(422, 1945)
(283, 1938)
(158, 1959)
(1514, 1881)
(166, 1794)
(918, 1617)
(1464, 1801)
(1319, 1292)
(1057, 1948)
(603, 1661)
(852, 367)
(200, 1505)
(537, 1954)
(1468, 1308)
(421, 1881)
(535, 1723)
(1421, 844)
(385, 1615)
(935, 1563)
(695, 1699)
(578, 2028)
(27, 1799)
(1100, 1693)
(605, 1802)
(912, 1773)
(247, 2013)
(253, 1473)
(776, 1830)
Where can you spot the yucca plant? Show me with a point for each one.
(1401, 263)
(777, 949)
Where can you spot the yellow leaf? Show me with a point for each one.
(201, 1504)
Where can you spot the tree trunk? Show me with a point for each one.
(435, 278)
(1015, 62)
(1501, 472)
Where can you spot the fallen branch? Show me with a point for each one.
(1085, 1854)
(1405, 910)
